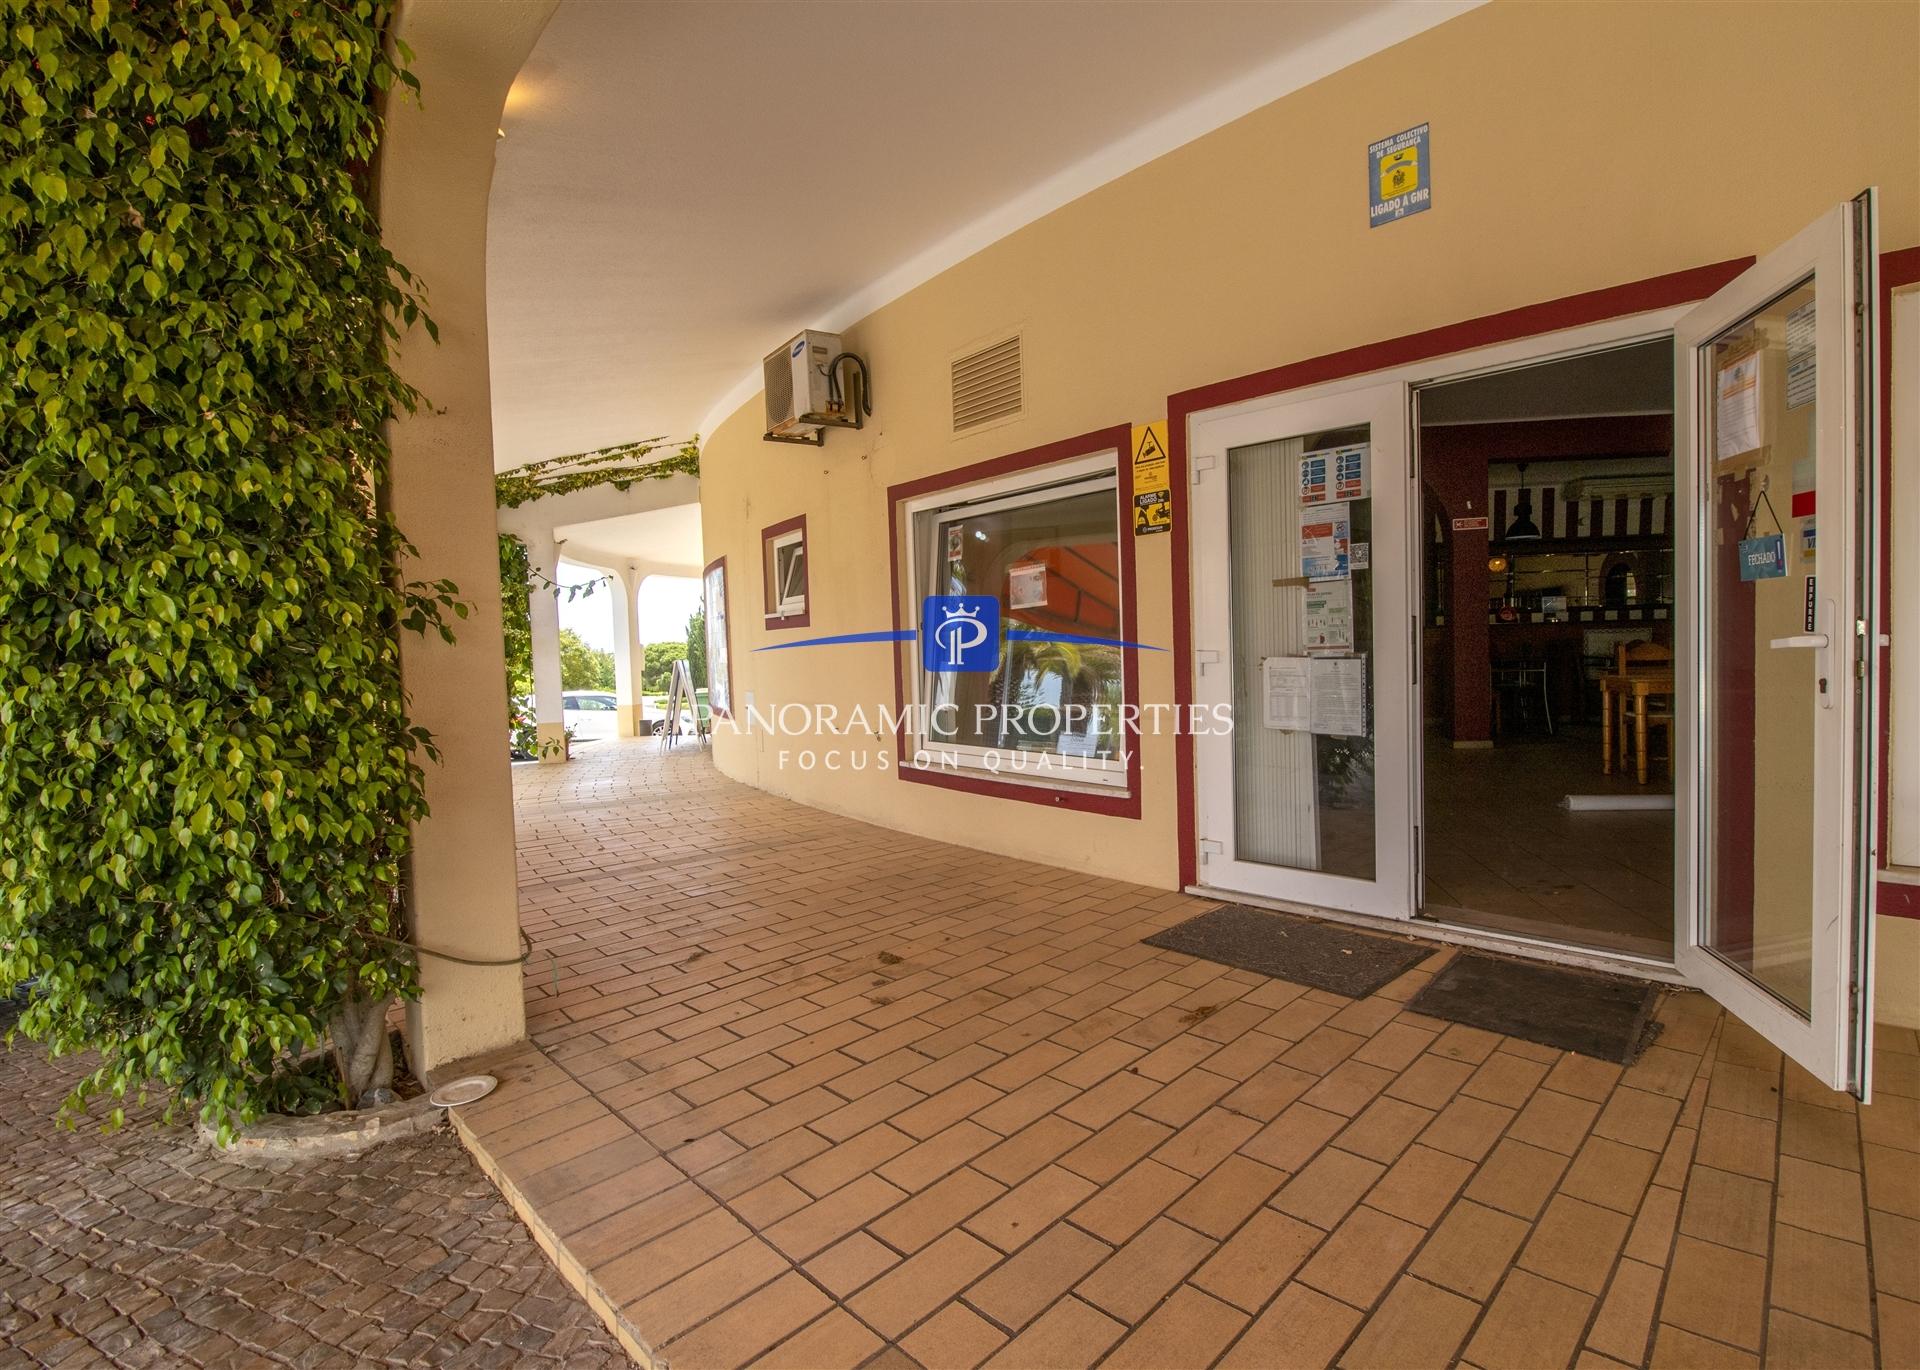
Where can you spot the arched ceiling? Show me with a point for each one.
(681, 186)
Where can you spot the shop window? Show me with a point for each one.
(783, 558)
(1044, 543)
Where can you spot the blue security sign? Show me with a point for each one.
(1399, 176)
(1763, 558)
(960, 633)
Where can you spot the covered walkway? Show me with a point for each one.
(812, 1093)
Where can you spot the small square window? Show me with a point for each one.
(784, 558)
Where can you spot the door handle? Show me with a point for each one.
(1814, 640)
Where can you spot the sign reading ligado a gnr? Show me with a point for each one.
(1399, 176)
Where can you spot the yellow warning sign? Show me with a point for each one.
(1400, 172)
(1152, 490)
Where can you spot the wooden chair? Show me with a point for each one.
(1632, 657)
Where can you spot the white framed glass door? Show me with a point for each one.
(1303, 627)
(1775, 432)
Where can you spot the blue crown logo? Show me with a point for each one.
(960, 633)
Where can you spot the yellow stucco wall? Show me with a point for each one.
(1575, 146)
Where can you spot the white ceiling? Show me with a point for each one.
(684, 185)
(658, 541)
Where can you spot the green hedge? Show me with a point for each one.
(207, 773)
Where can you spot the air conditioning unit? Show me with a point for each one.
(798, 391)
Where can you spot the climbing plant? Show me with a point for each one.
(622, 466)
(207, 771)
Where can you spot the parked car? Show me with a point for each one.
(591, 715)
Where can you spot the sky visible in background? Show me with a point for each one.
(665, 604)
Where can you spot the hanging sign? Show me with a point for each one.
(1399, 176)
(1473, 525)
(1152, 488)
(1763, 558)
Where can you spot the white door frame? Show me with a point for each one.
(1209, 435)
(1831, 1042)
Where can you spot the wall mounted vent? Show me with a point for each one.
(987, 385)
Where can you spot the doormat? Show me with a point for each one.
(1603, 1016)
(1318, 955)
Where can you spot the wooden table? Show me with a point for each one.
(1635, 687)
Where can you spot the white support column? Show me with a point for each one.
(622, 584)
(543, 613)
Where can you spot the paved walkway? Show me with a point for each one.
(811, 1093)
(140, 1249)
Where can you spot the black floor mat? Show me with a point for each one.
(1602, 1016)
(1319, 955)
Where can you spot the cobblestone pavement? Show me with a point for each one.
(140, 1249)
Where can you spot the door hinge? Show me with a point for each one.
(1209, 849)
(1205, 658)
(1200, 466)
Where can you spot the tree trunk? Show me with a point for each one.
(364, 1050)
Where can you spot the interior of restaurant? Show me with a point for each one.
(1547, 651)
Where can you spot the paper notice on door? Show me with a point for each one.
(1801, 376)
(1324, 536)
(1329, 611)
(1737, 408)
(1337, 687)
(1285, 689)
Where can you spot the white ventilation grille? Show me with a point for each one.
(987, 385)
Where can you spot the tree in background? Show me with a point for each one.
(697, 647)
(582, 665)
(657, 671)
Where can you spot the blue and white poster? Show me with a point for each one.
(1399, 176)
(1763, 558)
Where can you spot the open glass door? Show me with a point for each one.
(1775, 434)
(1302, 627)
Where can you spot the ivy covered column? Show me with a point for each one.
(622, 585)
(435, 169)
(543, 618)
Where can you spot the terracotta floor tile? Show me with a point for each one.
(705, 1290)
(1609, 1173)
(955, 1338)
(1796, 1343)
(1107, 1100)
(1258, 1259)
(1383, 1129)
(825, 1221)
(1471, 1249)
(1395, 1046)
(1028, 1209)
(1517, 1178)
(1188, 1329)
(1420, 1185)
(1623, 1328)
(1638, 1118)
(1821, 1199)
(1137, 1276)
(1531, 1323)
(944, 1204)
(1737, 1142)
(1733, 1210)
(849, 1160)
(1127, 1204)
(1333, 1183)
(1555, 1122)
(1468, 1127)
(1431, 1081)
(1290, 1140)
(1899, 1331)
(1891, 1120)
(1302, 1329)
(1031, 1279)
(1186, 1098)
(1349, 1087)
(921, 1283)
(772, 1201)
(834, 1339)
(1819, 1134)
(1231, 1191)
(1116, 1146)
(666, 1258)
(1745, 1090)
(1205, 1142)
(1653, 1227)
(750, 1326)
(849, 1264)
(1585, 1078)
(1822, 1277)
(940, 1154)
(1896, 1254)
(1575, 1243)
(1416, 1327)
(1893, 1180)
(1717, 1292)
(1068, 1336)
(1362, 1256)
(1675, 1348)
